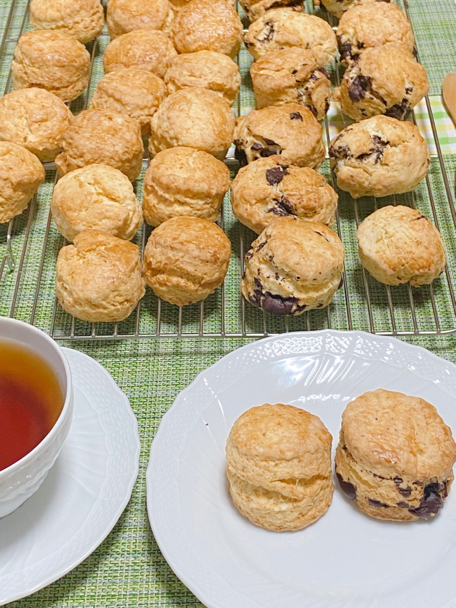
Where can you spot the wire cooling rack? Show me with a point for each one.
(29, 245)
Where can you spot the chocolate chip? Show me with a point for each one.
(248, 255)
(265, 152)
(313, 109)
(377, 503)
(258, 284)
(268, 32)
(379, 147)
(431, 502)
(397, 480)
(403, 505)
(277, 305)
(241, 157)
(345, 49)
(358, 88)
(408, 90)
(256, 146)
(399, 110)
(269, 142)
(261, 245)
(405, 492)
(275, 175)
(347, 487)
(324, 72)
(296, 116)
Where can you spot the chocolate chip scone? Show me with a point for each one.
(339, 7)
(378, 157)
(281, 28)
(383, 80)
(372, 24)
(270, 187)
(291, 75)
(395, 456)
(289, 130)
(293, 266)
(400, 245)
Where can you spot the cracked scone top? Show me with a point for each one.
(338, 7)
(123, 16)
(82, 19)
(378, 157)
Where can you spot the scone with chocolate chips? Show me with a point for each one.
(291, 75)
(383, 80)
(395, 456)
(372, 24)
(293, 266)
(123, 16)
(338, 7)
(281, 28)
(288, 130)
(400, 245)
(270, 187)
(378, 157)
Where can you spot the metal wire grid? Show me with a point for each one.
(382, 310)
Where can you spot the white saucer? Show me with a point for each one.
(83, 495)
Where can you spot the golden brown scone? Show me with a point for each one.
(82, 19)
(186, 259)
(291, 75)
(145, 49)
(205, 69)
(338, 7)
(183, 181)
(51, 60)
(96, 196)
(395, 456)
(123, 16)
(400, 245)
(102, 137)
(20, 175)
(270, 187)
(372, 24)
(378, 157)
(195, 118)
(269, 446)
(208, 25)
(99, 277)
(293, 266)
(136, 93)
(289, 130)
(35, 119)
(281, 28)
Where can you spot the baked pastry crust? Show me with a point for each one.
(96, 196)
(339, 7)
(145, 49)
(82, 19)
(136, 93)
(102, 137)
(281, 28)
(400, 245)
(293, 266)
(289, 130)
(123, 16)
(35, 119)
(20, 175)
(183, 181)
(51, 60)
(99, 277)
(395, 456)
(195, 118)
(186, 259)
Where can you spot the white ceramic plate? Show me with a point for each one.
(84, 493)
(344, 560)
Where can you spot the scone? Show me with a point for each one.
(254, 9)
(136, 93)
(105, 137)
(293, 266)
(205, 69)
(278, 463)
(183, 181)
(146, 49)
(338, 7)
(51, 60)
(289, 130)
(208, 25)
(20, 175)
(291, 75)
(186, 259)
(96, 196)
(400, 245)
(195, 118)
(395, 456)
(270, 187)
(383, 80)
(123, 16)
(372, 24)
(378, 157)
(281, 28)
(99, 277)
(82, 19)
(35, 119)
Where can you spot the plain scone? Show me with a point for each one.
(395, 456)
(184, 181)
(186, 259)
(82, 19)
(96, 196)
(278, 461)
(99, 278)
(123, 16)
